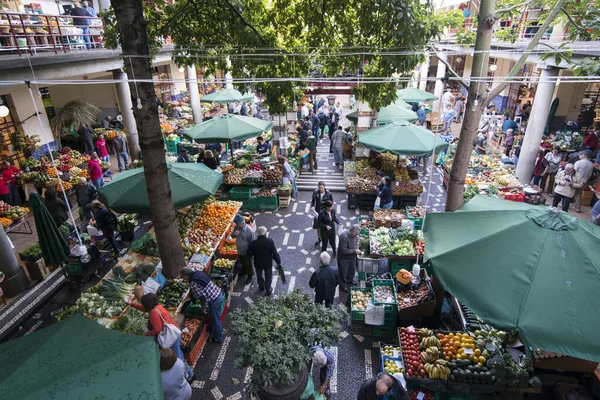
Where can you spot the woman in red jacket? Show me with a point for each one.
(157, 316)
(4, 192)
(95, 171)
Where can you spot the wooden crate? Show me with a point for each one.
(284, 201)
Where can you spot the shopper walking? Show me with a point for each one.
(264, 252)
(172, 373)
(324, 360)
(347, 256)
(9, 174)
(508, 142)
(319, 197)
(204, 290)
(324, 281)
(337, 141)
(584, 167)
(86, 193)
(448, 117)
(157, 317)
(122, 151)
(539, 168)
(327, 221)
(551, 163)
(87, 139)
(95, 171)
(106, 221)
(101, 148)
(567, 181)
(289, 174)
(244, 235)
(311, 145)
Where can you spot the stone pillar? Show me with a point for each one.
(15, 280)
(194, 93)
(439, 85)
(537, 123)
(126, 108)
(423, 76)
(103, 5)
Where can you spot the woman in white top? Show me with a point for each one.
(172, 372)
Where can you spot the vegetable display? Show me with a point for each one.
(133, 321)
(410, 342)
(171, 294)
(391, 241)
(360, 299)
(126, 222)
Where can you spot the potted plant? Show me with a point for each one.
(32, 253)
(125, 226)
(274, 336)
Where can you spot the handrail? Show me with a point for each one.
(28, 33)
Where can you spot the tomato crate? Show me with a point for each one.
(358, 315)
(194, 355)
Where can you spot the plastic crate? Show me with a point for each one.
(172, 145)
(240, 193)
(358, 315)
(194, 355)
(365, 231)
(388, 283)
(364, 264)
(518, 197)
(261, 203)
(388, 358)
(384, 332)
(360, 328)
(417, 221)
(404, 201)
(396, 264)
(352, 201)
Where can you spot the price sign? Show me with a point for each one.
(411, 328)
(469, 351)
(186, 241)
(420, 396)
(406, 300)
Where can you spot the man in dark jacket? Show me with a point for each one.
(315, 123)
(324, 281)
(319, 196)
(82, 23)
(86, 193)
(347, 255)
(383, 386)
(87, 137)
(264, 252)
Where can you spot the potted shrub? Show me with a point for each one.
(32, 253)
(125, 226)
(273, 338)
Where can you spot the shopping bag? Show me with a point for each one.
(168, 335)
(378, 202)
(375, 315)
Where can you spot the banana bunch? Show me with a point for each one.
(430, 355)
(430, 341)
(424, 332)
(438, 370)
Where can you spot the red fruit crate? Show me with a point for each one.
(518, 197)
(192, 358)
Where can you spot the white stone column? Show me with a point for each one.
(126, 108)
(439, 85)
(424, 71)
(194, 93)
(537, 123)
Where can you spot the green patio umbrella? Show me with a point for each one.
(414, 95)
(228, 127)
(54, 248)
(402, 103)
(519, 266)
(401, 138)
(80, 359)
(393, 113)
(353, 116)
(191, 183)
(225, 96)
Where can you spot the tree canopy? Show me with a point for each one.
(259, 40)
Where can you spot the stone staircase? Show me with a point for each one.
(327, 172)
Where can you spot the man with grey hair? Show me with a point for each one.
(567, 181)
(347, 256)
(244, 235)
(86, 193)
(324, 281)
(383, 386)
(324, 359)
(264, 252)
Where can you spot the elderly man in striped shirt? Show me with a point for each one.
(324, 359)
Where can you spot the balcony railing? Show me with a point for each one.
(31, 33)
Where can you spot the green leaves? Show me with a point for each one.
(274, 335)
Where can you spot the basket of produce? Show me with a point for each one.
(17, 214)
(272, 175)
(359, 299)
(416, 300)
(284, 190)
(366, 224)
(172, 294)
(392, 365)
(416, 214)
(388, 218)
(125, 226)
(228, 251)
(384, 293)
(193, 330)
(32, 253)
(4, 207)
(234, 176)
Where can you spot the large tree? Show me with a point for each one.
(583, 24)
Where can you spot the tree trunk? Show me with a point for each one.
(476, 102)
(134, 42)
